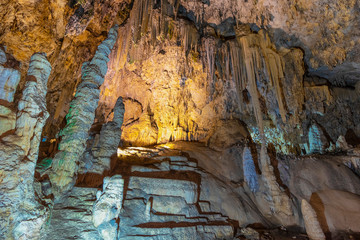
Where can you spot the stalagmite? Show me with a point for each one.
(21, 216)
(80, 117)
(312, 224)
(107, 207)
(280, 203)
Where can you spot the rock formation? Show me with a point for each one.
(250, 174)
(312, 225)
(107, 207)
(22, 216)
(198, 119)
(80, 117)
(97, 158)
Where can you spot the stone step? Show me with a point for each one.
(179, 231)
(172, 158)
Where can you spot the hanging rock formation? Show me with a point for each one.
(80, 117)
(21, 215)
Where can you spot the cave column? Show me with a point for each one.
(80, 117)
(21, 216)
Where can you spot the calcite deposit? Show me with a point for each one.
(80, 117)
(179, 119)
(22, 212)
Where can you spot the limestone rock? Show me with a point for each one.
(337, 211)
(98, 156)
(3, 58)
(317, 139)
(341, 144)
(107, 207)
(7, 119)
(22, 216)
(72, 219)
(317, 99)
(307, 175)
(250, 174)
(313, 228)
(226, 133)
(249, 233)
(9, 79)
(166, 187)
(80, 117)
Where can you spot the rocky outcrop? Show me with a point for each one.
(162, 201)
(80, 117)
(22, 216)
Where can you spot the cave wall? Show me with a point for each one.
(310, 38)
(279, 77)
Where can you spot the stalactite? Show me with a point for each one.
(274, 72)
(210, 57)
(80, 117)
(21, 216)
(123, 46)
(251, 58)
(190, 37)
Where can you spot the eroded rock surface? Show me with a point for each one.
(96, 159)
(22, 216)
(80, 117)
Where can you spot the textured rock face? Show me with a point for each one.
(257, 83)
(107, 207)
(96, 159)
(186, 92)
(9, 79)
(80, 117)
(312, 225)
(22, 216)
(72, 219)
(336, 210)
